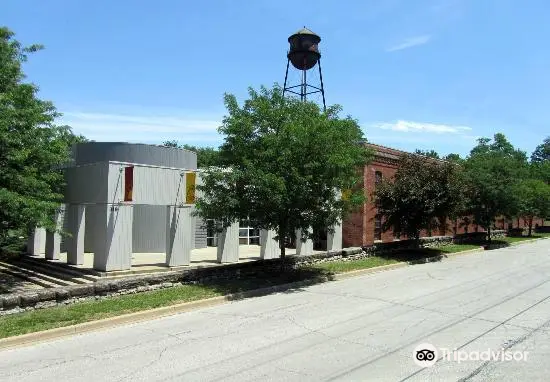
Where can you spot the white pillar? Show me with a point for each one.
(76, 222)
(113, 241)
(36, 244)
(334, 238)
(53, 239)
(228, 244)
(303, 248)
(269, 246)
(180, 229)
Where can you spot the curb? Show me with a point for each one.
(146, 315)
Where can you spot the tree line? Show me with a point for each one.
(494, 180)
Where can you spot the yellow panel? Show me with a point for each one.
(190, 178)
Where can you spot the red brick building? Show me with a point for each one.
(363, 227)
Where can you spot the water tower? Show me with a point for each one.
(304, 55)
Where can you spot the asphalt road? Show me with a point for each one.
(364, 328)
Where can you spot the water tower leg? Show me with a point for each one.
(286, 76)
(322, 86)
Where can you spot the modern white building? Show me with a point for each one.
(124, 198)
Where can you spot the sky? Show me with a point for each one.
(427, 74)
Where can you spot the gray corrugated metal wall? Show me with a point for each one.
(149, 229)
(91, 152)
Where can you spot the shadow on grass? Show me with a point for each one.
(416, 256)
(269, 281)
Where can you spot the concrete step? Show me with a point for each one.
(46, 273)
(41, 265)
(38, 279)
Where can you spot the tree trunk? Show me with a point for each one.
(489, 235)
(530, 226)
(282, 237)
(417, 240)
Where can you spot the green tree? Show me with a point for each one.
(541, 171)
(283, 164)
(206, 156)
(542, 152)
(492, 171)
(533, 200)
(421, 191)
(427, 153)
(455, 158)
(32, 148)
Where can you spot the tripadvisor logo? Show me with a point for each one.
(426, 355)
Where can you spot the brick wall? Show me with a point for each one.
(359, 227)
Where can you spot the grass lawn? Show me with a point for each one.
(55, 317)
(49, 318)
(347, 266)
(515, 239)
(376, 261)
(452, 248)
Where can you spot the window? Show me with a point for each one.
(377, 178)
(211, 234)
(248, 235)
(378, 227)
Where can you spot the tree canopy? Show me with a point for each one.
(493, 168)
(284, 164)
(533, 200)
(32, 148)
(542, 152)
(206, 156)
(427, 153)
(422, 192)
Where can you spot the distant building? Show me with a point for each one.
(364, 226)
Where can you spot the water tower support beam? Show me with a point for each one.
(286, 76)
(322, 86)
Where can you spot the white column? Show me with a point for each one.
(77, 221)
(334, 238)
(180, 235)
(269, 247)
(113, 242)
(228, 244)
(53, 239)
(303, 248)
(36, 244)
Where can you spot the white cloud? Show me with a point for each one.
(410, 42)
(421, 127)
(142, 128)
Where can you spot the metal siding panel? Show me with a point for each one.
(115, 183)
(149, 229)
(86, 184)
(92, 225)
(91, 152)
(159, 186)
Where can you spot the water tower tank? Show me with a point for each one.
(304, 50)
